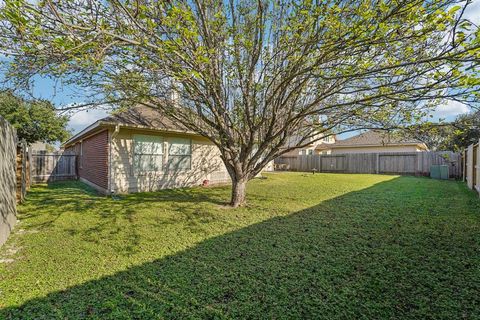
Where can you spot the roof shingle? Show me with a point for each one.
(145, 117)
(374, 137)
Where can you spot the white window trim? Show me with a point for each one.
(163, 154)
(189, 155)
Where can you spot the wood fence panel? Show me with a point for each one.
(407, 163)
(47, 167)
(362, 163)
(333, 163)
(452, 159)
(476, 167)
(469, 166)
(471, 163)
(8, 185)
(22, 171)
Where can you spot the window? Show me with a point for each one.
(147, 153)
(179, 154)
(310, 152)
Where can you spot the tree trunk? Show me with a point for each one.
(239, 189)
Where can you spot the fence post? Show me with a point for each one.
(21, 171)
(420, 161)
(469, 166)
(477, 167)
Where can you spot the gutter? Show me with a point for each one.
(111, 136)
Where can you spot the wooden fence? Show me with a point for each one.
(404, 163)
(8, 183)
(471, 165)
(22, 169)
(48, 167)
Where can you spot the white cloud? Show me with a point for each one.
(82, 119)
(451, 109)
(473, 12)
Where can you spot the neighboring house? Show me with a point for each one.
(311, 148)
(42, 146)
(38, 146)
(142, 150)
(372, 142)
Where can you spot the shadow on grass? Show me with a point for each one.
(366, 254)
(79, 197)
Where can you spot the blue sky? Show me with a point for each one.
(62, 95)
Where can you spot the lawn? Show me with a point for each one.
(306, 246)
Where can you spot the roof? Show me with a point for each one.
(373, 138)
(140, 117)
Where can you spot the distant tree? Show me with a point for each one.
(446, 136)
(35, 120)
(434, 135)
(466, 131)
(250, 74)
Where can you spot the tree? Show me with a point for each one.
(466, 131)
(250, 74)
(447, 136)
(434, 135)
(35, 120)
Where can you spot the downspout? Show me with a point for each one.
(110, 158)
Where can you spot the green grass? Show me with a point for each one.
(307, 246)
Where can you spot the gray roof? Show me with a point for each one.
(136, 117)
(374, 137)
(142, 116)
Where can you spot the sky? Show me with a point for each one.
(62, 95)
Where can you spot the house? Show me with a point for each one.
(311, 147)
(142, 150)
(372, 141)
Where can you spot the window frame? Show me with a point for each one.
(170, 155)
(136, 168)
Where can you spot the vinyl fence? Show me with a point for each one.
(404, 163)
(8, 183)
(471, 164)
(48, 167)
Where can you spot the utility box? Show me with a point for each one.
(439, 172)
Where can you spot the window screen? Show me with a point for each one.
(148, 153)
(179, 154)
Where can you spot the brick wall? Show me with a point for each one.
(92, 160)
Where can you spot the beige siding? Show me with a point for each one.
(376, 149)
(269, 167)
(206, 165)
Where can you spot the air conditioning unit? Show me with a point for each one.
(439, 172)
